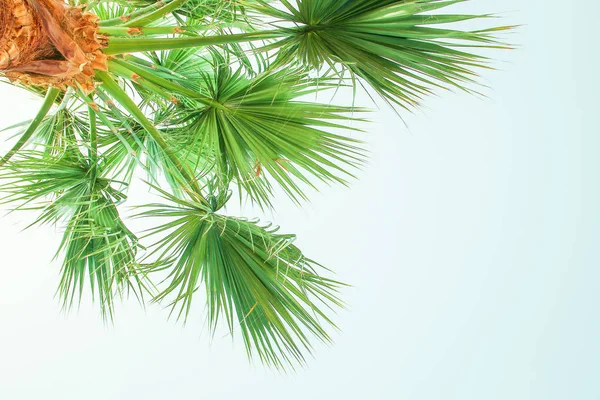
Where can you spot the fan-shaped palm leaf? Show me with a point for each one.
(400, 48)
(253, 275)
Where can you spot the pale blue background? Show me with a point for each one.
(472, 241)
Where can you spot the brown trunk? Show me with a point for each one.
(46, 42)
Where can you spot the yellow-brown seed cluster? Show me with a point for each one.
(46, 42)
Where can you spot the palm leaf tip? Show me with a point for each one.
(254, 277)
(99, 248)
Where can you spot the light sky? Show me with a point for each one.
(471, 241)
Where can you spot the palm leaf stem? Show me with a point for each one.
(51, 96)
(186, 176)
(144, 31)
(128, 70)
(93, 153)
(139, 14)
(119, 45)
(153, 15)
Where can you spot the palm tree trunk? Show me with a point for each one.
(46, 42)
(21, 37)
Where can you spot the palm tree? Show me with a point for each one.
(205, 96)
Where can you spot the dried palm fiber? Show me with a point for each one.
(46, 42)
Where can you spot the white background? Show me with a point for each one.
(471, 240)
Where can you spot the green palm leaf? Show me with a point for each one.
(255, 277)
(97, 245)
(399, 48)
(259, 127)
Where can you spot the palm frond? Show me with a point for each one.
(96, 242)
(98, 247)
(402, 49)
(253, 276)
(261, 128)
